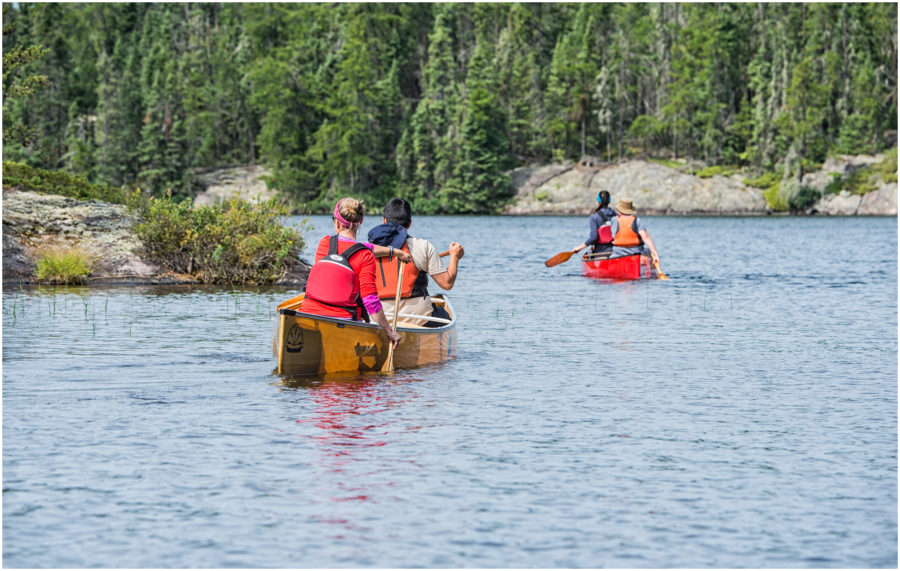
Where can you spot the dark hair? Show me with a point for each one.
(399, 211)
(603, 199)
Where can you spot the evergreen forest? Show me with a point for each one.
(436, 102)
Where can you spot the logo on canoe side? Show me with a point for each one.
(363, 350)
(293, 341)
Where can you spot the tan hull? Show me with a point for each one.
(307, 344)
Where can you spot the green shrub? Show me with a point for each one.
(804, 198)
(58, 182)
(865, 179)
(836, 185)
(765, 180)
(720, 170)
(677, 165)
(232, 242)
(861, 180)
(542, 196)
(775, 199)
(63, 265)
(888, 167)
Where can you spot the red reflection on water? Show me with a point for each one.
(339, 405)
(345, 426)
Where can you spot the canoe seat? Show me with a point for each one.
(598, 256)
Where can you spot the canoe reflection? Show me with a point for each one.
(350, 417)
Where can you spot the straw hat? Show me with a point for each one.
(625, 207)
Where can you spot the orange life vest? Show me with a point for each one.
(627, 235)
(386, 278)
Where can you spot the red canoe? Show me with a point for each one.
(632, 267)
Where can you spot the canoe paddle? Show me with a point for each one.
(659, 273)
(389, 364)
(559, 258)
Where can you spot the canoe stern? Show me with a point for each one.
(305, 344)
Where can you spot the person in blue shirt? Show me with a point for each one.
(599, 239)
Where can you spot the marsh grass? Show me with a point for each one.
(66, 265)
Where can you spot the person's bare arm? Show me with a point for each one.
(384, 251)
(448, 278)
(381, 320)
(649, 241)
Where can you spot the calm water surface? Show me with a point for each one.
(741, 414)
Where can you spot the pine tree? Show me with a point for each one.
(479, 183)
(18, 84)
(119, 103)
(427, 149)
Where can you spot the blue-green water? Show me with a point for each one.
(741, 414)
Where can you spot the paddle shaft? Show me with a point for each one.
(390, 360)
(659, 273)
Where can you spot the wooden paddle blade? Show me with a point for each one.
(558, 259)
(388, 366)
(659, 273)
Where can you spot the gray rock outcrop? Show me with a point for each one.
(34, 222)
(659, 189)
(246, 183)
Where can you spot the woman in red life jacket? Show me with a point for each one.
(629, 234)
(341, 283)
(600, 237)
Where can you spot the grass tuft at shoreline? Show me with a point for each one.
(63, 264)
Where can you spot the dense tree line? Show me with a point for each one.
(435, 102)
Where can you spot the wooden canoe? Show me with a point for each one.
(306, 344)
(632, 267)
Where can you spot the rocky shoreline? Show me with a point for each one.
(34, 221)
(657, 189)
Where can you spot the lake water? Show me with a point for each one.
(741, 414)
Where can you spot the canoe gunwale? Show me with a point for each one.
(363, 324)
(602, 258)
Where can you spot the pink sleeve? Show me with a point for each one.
(372, 304)
(368, 245)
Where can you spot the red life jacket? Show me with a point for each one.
(386, 278)
(604, 234)
(332, 281)
(627, 235)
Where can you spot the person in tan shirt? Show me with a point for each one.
(415, 300)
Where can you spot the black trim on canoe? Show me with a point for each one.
(342, 322)
(601, 258)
